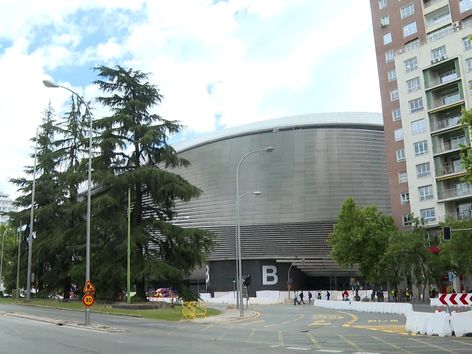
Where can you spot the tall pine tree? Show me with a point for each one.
(134, 153)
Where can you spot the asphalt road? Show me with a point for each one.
(274, 329)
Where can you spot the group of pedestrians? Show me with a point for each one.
(301, 298)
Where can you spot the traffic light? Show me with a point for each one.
(247, 281)
(447, 233)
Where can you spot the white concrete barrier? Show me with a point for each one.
(376, 307)
(461, 323)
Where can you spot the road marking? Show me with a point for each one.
(385, 328)
(271, 325)
(297, 319)
(354, 318)
(320, 323)
(445, 350)
(206, 327)
(252, 322)
(298, 348)
(313, 340)
(391, 344)
(224, 333)
(461, 342)
(349, 342)
(251, 335)
(329, 351)
(281, 338)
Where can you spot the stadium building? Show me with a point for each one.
(318, 161)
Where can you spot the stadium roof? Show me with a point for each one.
(351, 119)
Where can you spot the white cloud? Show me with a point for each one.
(186, 46)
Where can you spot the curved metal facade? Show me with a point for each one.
(315, 166)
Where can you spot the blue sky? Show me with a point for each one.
(218, 63)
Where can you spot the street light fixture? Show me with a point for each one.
(52, 84)
(30, 237)
(238, 229)
(1, 261)
(256, 193)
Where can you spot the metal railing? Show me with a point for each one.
(455, 192)
(449, 145)
(446, 123)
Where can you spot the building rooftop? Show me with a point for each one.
(284, 123)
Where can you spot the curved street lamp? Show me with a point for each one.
(52, 84)
(238, 228)
(256, 193)
(31, 233)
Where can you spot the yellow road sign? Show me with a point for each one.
(88, 300)
(89, 287)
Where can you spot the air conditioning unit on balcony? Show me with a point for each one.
(456, 26)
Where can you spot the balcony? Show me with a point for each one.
(449, 145)
(463, 215)
(445, 99)
(446, 123)
(450, 170)
(460, 190)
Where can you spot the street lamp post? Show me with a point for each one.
(30, 237)
(52, 84)
(256, 193)
(288, 279)
(1, 261)
(238, 228)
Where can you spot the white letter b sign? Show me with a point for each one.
(269, 275)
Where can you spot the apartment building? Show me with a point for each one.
(424, 59)
(6, 205)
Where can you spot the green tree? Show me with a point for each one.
(360, 236)
(134, 153)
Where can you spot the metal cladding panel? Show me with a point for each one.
(303, 184)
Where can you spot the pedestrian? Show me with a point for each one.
(319, 295)
(345, 295)
(328, 295)
(295, 301)
(301, 298)
(310, 295)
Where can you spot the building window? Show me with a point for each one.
(398, 134)
(439, 53)
(411, 64)
(425, 192)
(465, 5)
(389, 56)
(391, 75)
(402, 177)
(421, 147)
(468, 64)
(407, 10)
(396, 114)
(413, 85)
(406, 219)
(423, 170)
(394, 95)
(384, 21)
(428, 215)
(418, 126)
(387, 38)
(405, 198)
(466, 43)
(400, 153)
(409, 29)
(416, 105)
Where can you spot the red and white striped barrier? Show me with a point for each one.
(455, 299)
